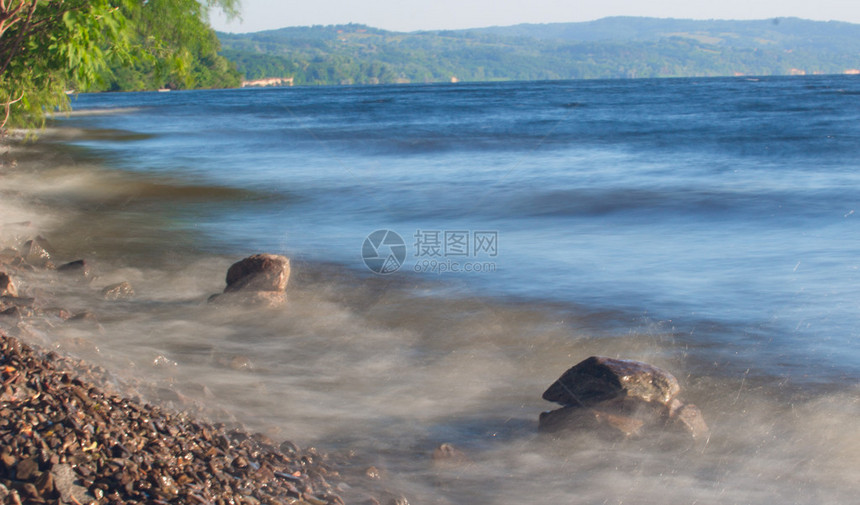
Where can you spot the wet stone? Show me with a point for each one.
(598, 379)
(35, 252)
(78, 268)
(120, 291)
(612, 397)
(260, 272)
(7, 287)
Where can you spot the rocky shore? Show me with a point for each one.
(66, 440)
(72, 433)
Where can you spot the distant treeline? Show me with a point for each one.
(607, 48)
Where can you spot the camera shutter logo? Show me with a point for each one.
(384, 251)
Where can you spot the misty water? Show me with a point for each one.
(706, 226)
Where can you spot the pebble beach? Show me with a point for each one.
(72, 432)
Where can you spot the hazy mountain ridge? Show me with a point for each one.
(615, 47)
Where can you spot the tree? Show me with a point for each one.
(50, 46)
(177, 50)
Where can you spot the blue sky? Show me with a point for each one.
(409, 15)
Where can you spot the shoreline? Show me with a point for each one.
(379, 373)
(75, 432)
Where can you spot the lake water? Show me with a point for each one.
(707, 226)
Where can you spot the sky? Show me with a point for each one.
(411, 15)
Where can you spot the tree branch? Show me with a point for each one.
(12, 14)
(16, 45)
(8, 107)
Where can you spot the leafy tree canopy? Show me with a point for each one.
(48, 47)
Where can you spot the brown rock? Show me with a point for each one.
(614, 397)
(598, 379)
(7, 287)
(120, 291)
(27, 469)
(260, 272)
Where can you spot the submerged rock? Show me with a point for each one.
(8, 255)
(78, 267)
(119, 291)
(7, 287)
(259, 280)
(619, 397)
(449, 454)
(36, 253)
(260, 272)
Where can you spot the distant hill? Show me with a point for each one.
(617, 47)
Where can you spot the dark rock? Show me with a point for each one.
(598, 379)
(119, 291)
(619, 397)
(13, 312)
(78, 267)
(45, 483)
(260, 272)
(7, 287)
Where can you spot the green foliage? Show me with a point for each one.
(608, 48)
(48, 47)
(175, 48)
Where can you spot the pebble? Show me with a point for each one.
(65, 441)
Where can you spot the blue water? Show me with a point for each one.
(723, 209)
